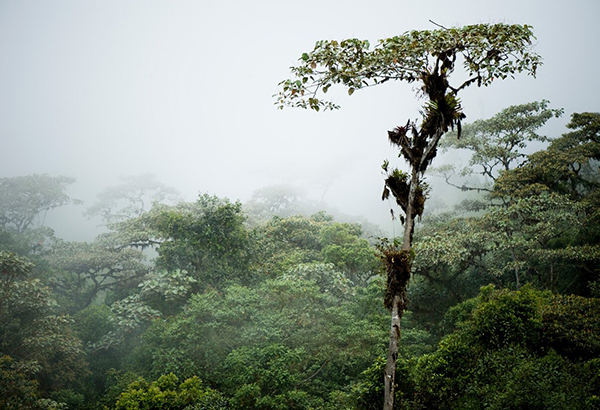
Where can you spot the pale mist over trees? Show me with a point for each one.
(169, 239)
(236, 307)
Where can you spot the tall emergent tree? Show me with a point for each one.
(486, 52)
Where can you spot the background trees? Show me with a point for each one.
(285, 311)
(82, 272)
(496, 144)
(132, 197)
(298, 337)
(25, 198)
(535, 226)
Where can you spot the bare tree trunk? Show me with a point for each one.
(409, 223)
(390, 367)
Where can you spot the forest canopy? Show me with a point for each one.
(241, 310)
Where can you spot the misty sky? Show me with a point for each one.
(183, 89)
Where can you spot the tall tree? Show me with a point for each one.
(487, 52)
(25, 198)
(569, 166)
(496, 144)
(206, 238)
(131, 198)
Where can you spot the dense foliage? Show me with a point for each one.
(206, 305)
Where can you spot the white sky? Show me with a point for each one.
(183, 89)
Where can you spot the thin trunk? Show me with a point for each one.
(399, 302)
(410, 219)
(517, 279)
(390, 367)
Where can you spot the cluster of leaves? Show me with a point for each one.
(488, 52)
(288, 242)
(206, 238)
(168, 394)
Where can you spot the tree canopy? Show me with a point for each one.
(24, 198)
(496, 144)
(487, 51)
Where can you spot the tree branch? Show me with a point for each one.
(313, 375)
(439, 25)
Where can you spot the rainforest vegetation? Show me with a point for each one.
(272, 304)
(277, 303)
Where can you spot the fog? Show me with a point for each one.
(183, 89)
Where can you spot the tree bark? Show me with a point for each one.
(390, 368)
(399, 298)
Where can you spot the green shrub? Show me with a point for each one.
(167, 393)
